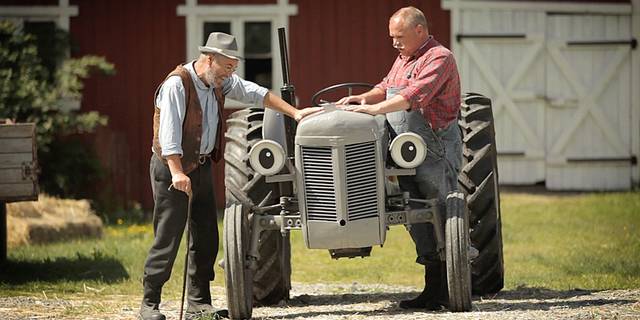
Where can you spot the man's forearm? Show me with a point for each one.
(276, 103)
(374, 95)
(174, 163)
(397, 103)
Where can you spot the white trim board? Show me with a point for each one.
(60, 13)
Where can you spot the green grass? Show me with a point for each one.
(589, 241)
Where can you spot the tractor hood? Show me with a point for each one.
(339, 127)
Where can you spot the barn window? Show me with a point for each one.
(50, 26)
(255, 28)
(59, 14)
(257, 53)
(209, 27)
(52, 43)
(256, 41)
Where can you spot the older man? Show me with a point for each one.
(186, 138)
(421, 94)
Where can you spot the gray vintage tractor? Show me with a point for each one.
(330, 179)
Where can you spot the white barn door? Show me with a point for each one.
(501, 55)
(589, 102)
(560, 78)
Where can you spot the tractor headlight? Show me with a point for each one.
(267, 157)
(408, 150)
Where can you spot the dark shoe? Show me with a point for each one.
(204, 311)
(423, 301)
(434, 295)
(199, 294)
(148, 313)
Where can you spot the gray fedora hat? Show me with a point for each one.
(222, 43)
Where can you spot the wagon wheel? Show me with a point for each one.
(456, 248)
(238, 275)
(315, 100)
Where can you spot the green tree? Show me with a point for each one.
(33, 91)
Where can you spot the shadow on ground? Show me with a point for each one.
(78, 268)
(520, 299)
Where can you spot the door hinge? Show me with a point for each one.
(30, 171)
(632, 42)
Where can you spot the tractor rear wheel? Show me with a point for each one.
(272, 278)
(479, 180)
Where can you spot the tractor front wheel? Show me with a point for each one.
(237, 272)
(456, 249)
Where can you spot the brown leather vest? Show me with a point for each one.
(192, 124)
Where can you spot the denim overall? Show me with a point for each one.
(435, 177)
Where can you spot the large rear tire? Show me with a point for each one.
(272, 278)
(479, 180)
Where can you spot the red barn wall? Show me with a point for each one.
(144, 39)
(335, 41)
(330, 41)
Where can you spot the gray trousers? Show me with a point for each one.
(435, 177)
(169, 218)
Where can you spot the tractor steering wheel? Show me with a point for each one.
(315, 100)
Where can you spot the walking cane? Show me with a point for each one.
(186, 256)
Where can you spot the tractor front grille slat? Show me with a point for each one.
(361, 182)
(319, 184)
(362, 197)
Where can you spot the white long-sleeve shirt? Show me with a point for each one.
(172, 103)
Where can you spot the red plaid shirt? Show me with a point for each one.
(430, 83)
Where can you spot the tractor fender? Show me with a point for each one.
(273, 127)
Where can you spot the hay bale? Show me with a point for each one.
(50, 219)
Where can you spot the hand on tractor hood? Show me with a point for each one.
(371, 109)
(301, 113)
(396, 103)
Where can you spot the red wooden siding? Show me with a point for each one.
(145, 40)
(335, 41)
(331, 41)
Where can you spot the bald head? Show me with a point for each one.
(408, 30)
(410, 17)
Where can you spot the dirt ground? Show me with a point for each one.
(350, 301)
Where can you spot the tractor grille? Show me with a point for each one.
(319, 184)
(362, 186)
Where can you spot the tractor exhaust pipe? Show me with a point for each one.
(287, 92)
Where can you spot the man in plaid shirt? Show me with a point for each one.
(421, 94)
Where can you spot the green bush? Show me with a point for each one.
(33, 90)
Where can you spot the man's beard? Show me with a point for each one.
(210, 77)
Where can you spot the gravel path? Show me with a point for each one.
(350, 301)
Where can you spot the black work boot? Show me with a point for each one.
(150, 313)
(205, 311)
(198, 292)
(435, 295)
(199, 302)
(149, 309)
